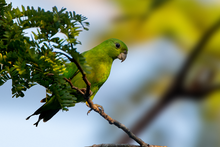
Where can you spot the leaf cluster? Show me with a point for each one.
(30, 61)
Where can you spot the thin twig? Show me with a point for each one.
(108, 118)
(88, 84)
(102, 113)
(116, 123)
(177, 87)
(121, 145)
(74, 87)
(201, 93)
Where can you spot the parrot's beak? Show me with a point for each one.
(122, 56)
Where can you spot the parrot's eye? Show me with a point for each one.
(117, 45)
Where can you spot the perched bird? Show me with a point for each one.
(100, 59)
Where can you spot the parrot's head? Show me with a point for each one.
(116, 49)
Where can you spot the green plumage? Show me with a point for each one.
(100, 60)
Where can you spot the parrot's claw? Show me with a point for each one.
(97, 105)
(89, 111)
(100, 107)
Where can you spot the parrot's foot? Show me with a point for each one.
(97, 105)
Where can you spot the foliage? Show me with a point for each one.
(30, 61)
(182, 21)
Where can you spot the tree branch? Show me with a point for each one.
(74, 87)
(121, 145)
(176, 88)
(202, 92)
(102, 113)
(88, 84)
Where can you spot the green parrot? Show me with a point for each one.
(100, 59)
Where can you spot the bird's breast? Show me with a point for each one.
(100, 74)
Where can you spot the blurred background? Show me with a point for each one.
(160, 35)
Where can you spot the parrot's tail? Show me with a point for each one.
(45, 115)
(48, 110)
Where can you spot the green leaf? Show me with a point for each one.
(30, 61)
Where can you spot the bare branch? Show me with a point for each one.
(202, 92)
(121, 145)
(74, 87)
(116, 123)
(176, 89)
(88, 84)
(104, 115)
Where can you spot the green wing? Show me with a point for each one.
(71, 71)
(52, 106)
